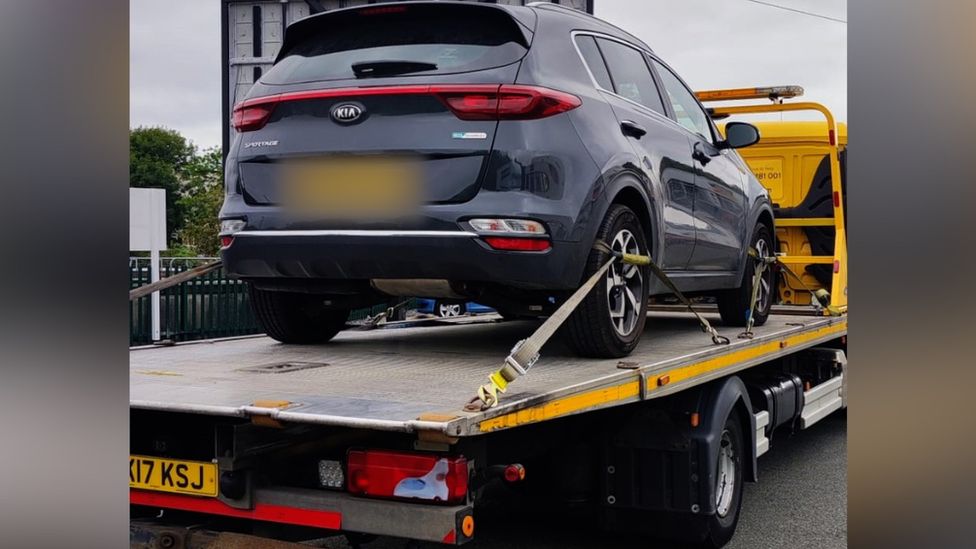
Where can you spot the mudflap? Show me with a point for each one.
(658, 470)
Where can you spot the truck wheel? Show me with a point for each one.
(294, 317)
(728, 484)
(609, 322)
(734, 304)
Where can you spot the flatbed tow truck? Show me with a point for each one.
(247, 442)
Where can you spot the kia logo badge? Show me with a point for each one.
(347, 113)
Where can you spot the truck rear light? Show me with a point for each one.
(518, 244)
(514, 473)
(331, 474)
(403, 475)
(247, 118)
(504, 102)
(507, 226)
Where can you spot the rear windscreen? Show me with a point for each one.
(410, 40)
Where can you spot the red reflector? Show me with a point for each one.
(518, 244)
(407, 475)
(261, 511)
(254, 117)
(832, 137)
(836, 199)
(226, 241)
(836, 266)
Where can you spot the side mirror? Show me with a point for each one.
(740, 134)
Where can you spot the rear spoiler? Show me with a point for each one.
(300, 29)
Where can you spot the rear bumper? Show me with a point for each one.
(328, 510)
(363, 255)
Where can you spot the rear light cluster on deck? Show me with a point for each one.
(467, 102)
(402, 475)
(520, 235)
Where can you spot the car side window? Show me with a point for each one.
(630, 74)
(688, 112)
(594, 61)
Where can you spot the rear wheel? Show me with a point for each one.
(609, 322)
(734, 304)
(293, 317)
(728, 484)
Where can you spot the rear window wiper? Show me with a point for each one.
(368, 69)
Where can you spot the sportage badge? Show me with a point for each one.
(347, 113)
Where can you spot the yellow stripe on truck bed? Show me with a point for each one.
(630, 390)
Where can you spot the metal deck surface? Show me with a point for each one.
(389, 378)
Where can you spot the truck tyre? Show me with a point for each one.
(609, 322)
(734, 304)
(728, 484)
(295, 317)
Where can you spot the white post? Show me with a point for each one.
(147, 232)
(154, 266)
(154, 300)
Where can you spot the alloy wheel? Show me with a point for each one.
(449, 309)
(625, 284)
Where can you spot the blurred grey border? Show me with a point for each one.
(63, 149)
(63, 317)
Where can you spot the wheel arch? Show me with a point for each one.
(719, 400)
(627, 190)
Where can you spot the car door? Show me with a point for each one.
(720, 201)
(625, 80)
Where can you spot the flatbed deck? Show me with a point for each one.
(419, 378)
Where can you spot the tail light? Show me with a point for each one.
(504, 102)
(520, 235)
(403, 475)
(467, 102)
(248, 118)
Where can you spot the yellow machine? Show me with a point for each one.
(802, 164)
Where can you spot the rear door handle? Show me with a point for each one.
(700, 155)
(632, 129)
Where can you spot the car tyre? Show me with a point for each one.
(734, 304)
(608, 323)
(291, 317)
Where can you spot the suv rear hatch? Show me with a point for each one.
(420, 81)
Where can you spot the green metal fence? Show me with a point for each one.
(208, 306)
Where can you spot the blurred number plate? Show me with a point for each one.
(173, 475)
(353, 187)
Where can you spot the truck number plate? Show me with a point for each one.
(173, 475)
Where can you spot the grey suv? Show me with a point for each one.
(469, 151)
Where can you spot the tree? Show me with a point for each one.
(200, 199)
(158, 158)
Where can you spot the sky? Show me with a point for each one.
(174, 62)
